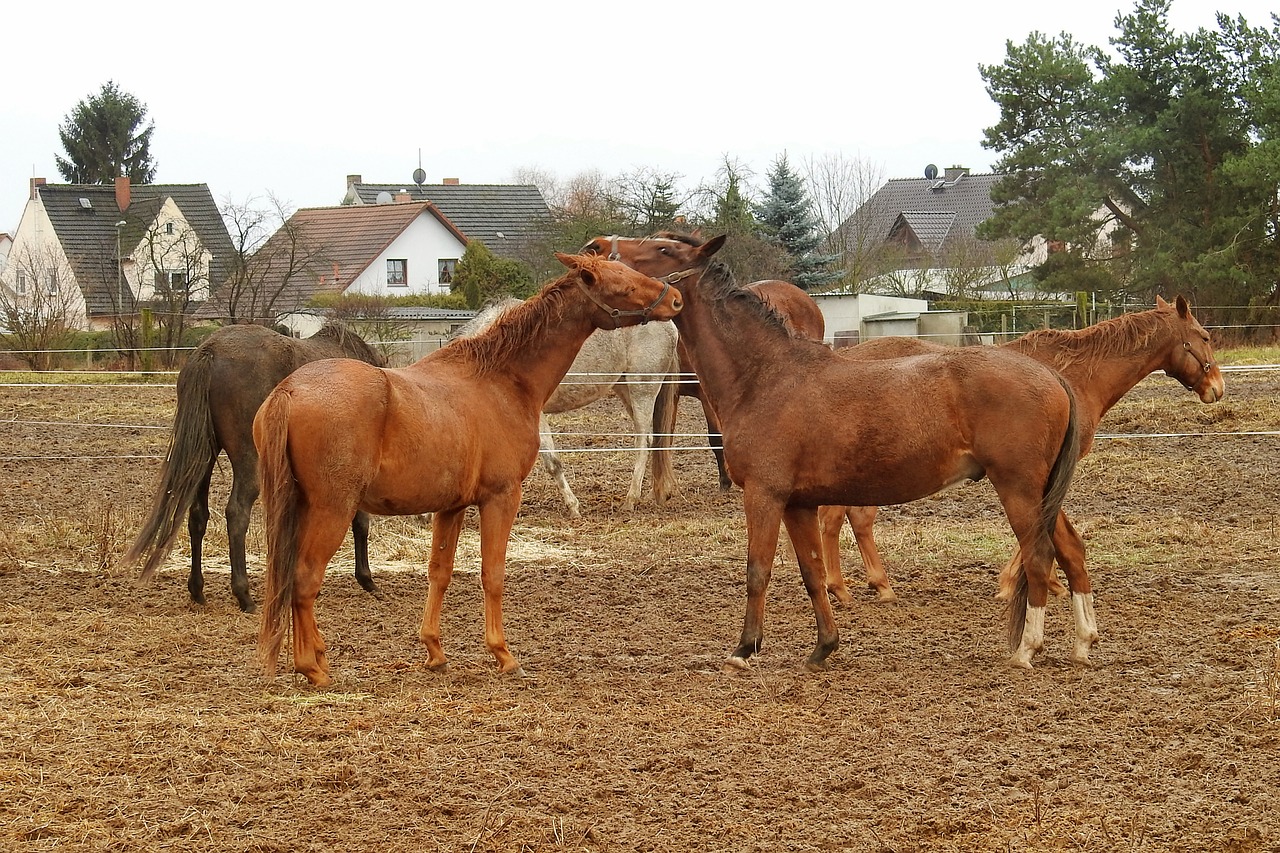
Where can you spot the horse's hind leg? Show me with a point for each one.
(1069, 548)
(830, 521)
(862, 519)
(360, 539)
(445, 528)
(1028, 606)
(197, 524)
(244, 491)
(551, 462)
(634, 402)
(802, 527)
(716, 440)
(319, 538)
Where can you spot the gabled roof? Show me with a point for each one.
(87, 231)
(481, 212)
(341, 241)
(960, 199)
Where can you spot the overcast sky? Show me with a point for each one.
(254, 99)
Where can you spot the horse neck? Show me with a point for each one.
(1105, 361)
(531, 346)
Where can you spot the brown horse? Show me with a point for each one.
(803, 425)
(797, 308)
(455, 429)
(219, 391)
(1102, 363)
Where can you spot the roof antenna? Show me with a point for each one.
(418, 175)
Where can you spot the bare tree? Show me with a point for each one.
(41, 306)
(173, 259)
(842, 192)
(370, 317)
(270, 251)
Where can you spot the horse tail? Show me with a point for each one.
(665, 407)
(280, 499)
(1055, 492)
(192, 448)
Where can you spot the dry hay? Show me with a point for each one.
(133, 720)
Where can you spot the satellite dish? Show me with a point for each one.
(384, 197)
(931, 171)
(419, 176)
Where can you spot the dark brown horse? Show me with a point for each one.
(803, 425)
(796, 307)
(1102, 363)
(455, 429)
(219, 390)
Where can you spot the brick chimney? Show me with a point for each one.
(450, 182)
(122, 193)
(354, 179)
(404, 195)
(36, 183)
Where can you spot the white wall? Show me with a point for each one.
(423, 244)
(845, 312)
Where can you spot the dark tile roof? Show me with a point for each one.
(341, 241)
(88, 233)
(926, 205)
(480, 211)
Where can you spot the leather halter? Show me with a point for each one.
(616, 313)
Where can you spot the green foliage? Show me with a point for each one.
(330, 301)
(785, 216)
(1173, 143)
(104, 138)
(481, 276)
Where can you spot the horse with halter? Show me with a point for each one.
(634, 363)
(458, 428)
(219, 390)
(804, 428)
(797, 308)
(1102, 363)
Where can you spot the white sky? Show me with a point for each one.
(251, 98)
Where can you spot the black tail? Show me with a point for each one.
(192, 448)
(1055, 492)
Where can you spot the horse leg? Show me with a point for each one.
(551, 462)
(716, 440)
(445, 528)
(319, 537)
(830, 520)
(802, 527)
(1027, 609)
(763, 519)
(360, 538)
(1070, 552)
(244, 491)
(644, 439)
(197, 524)
(496, 517)
(862, 519)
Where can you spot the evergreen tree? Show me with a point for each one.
(104, 138)
(787, 217)
(482, 276)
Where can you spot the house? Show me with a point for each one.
(399, 248)
(507, 218)
(922, 231)
(100, 251)
(6, 243)
(854, 317)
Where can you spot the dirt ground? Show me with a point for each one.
(131, 719)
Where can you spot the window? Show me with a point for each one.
(446, 267)
(397, 272)
(168, 228)
(53, 284)
(22, 283)
(170, 282)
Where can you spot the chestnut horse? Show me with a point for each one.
(803, 427)
(455, 429)
(1102, 363)
(797, 308)
(219, 391)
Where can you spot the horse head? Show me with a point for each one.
(1191, 359)
(626, 296)
(661, 255)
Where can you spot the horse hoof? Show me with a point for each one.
(443, 666)
(1020, 660)
(247, 608)
(518, 672)
(735, 665)
(815, 665)
(886, 596)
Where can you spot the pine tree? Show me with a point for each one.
(104, 139)
(787, 217)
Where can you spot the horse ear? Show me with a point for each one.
(1160, 303)
(713, 245)
(569, 261)
(1184, 308)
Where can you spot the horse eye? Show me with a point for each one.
(664, 250)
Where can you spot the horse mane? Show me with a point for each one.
(720, 286)
(1088, 347)
(491, 347)
(348, 341)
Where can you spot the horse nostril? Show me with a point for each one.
(677, 304)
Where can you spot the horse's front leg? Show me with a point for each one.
(830, 521)
(764, 516)
(496, 517)
(445, 528)
(1069, 549)
(802, 527)
(551, 462)
(862, 519)
(634, 402)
